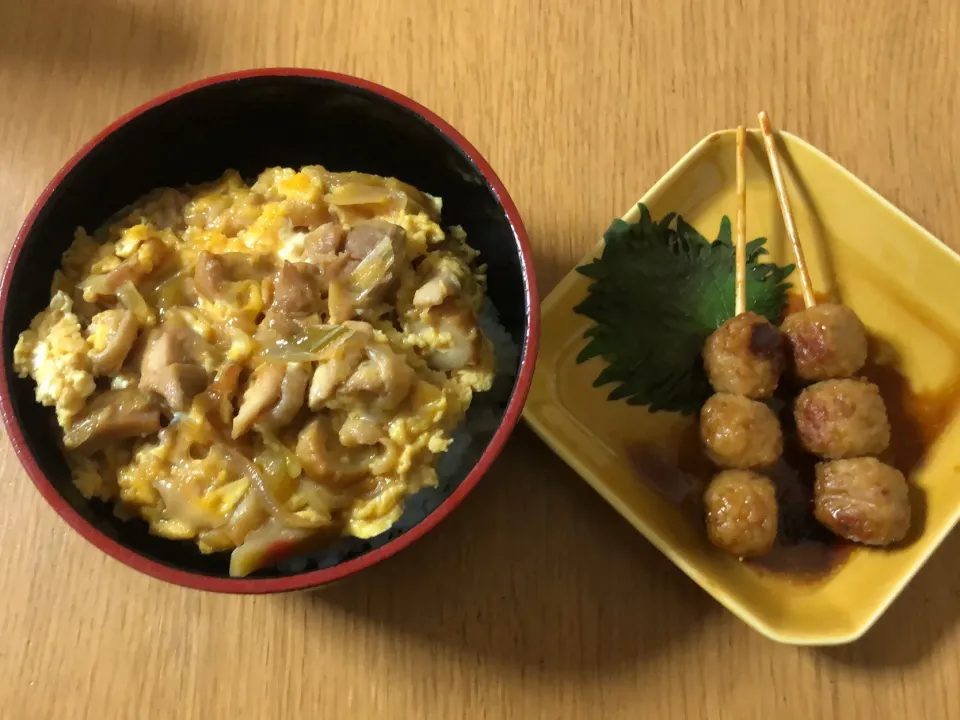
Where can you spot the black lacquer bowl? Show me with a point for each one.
(248, 121)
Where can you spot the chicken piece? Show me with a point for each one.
(113, 415)
(277, 328)
(442, 284)
(452, 335)
(374, 251)
(325, 459)
(842, 419)
(364, 379)
(744, 356)
(263, 391)
(210, 275)
(328, 377)
(312, 447)
(385, 374)
(862, 499)
(324, 242)
(128, 271)
(741, 513)
(226, 205)
(338, 364)
(293, 391)
(740, 433)
(150, 255)
(306, 215)
(177, 383)
(363, 239)
(111, 335)
(321, 248)
(296, 290)
(221, 391)
(273, 396)
(360, 429)
(169, 366)
(215, 275)
(826, 341)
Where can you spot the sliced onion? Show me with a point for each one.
(134, 302)
(245, 468)
(372, 270)
(248, 516)
(267, 544)
(94, 286)
(170, 293)
(320, 499)
(359, 194)
(396, 375)
(304, 348)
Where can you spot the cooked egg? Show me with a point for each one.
(243, 301)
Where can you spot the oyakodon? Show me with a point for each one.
(253, 367)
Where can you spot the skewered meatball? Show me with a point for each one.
(744, 356)
(739, 432)
(741, 513)
(826, 341)
(842, 419)
(863, 500)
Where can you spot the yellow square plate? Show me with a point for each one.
(903, 283)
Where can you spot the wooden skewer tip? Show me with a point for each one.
(740, 296)
(765, 126)
(769, 143)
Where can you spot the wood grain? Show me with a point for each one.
(535, 599)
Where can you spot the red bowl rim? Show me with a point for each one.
(316, 577)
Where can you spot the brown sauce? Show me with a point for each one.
(805, 550)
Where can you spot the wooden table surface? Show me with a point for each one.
(535, 599)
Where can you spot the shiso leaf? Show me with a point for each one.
(659, 289)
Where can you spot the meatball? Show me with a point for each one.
(741, 513)
(825, 341)
(842, 419)
(744, 356)
(739, 432)
(862, 499)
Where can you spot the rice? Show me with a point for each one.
(468, 441)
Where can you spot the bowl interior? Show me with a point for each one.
(249, 124)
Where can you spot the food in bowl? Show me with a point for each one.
(257, 367)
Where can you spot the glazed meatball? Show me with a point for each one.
(739, 432)
(744, 356)
(825, 342)
(741, 513)
(862, 499)
(842, 419)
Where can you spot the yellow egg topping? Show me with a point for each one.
(264, 366)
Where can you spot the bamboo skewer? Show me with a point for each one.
(741, 255)
(809, 299)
